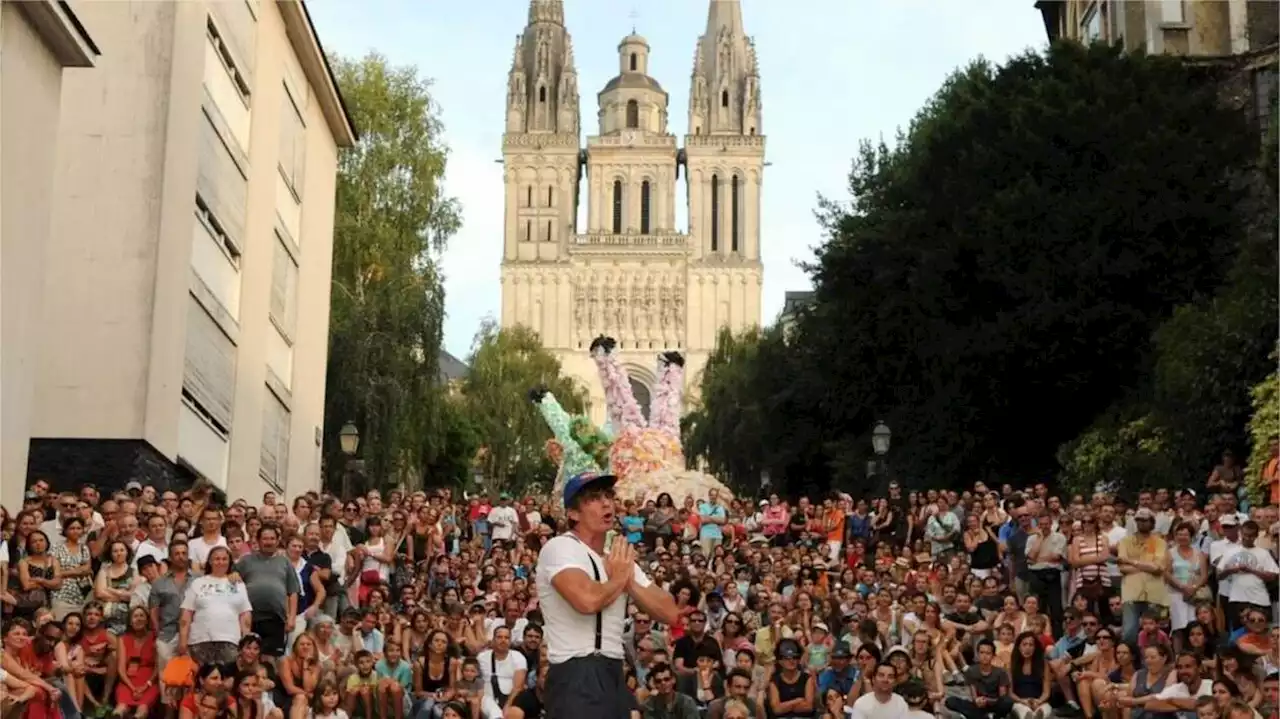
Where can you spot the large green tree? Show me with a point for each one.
(994, 281)
(392, 218)
(504, 365)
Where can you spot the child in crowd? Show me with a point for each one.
(362, 685)
(1151, 634)
(470, 687)
(324, 705)
(395, 683)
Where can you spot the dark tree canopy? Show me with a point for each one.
(995, 281)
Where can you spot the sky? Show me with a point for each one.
(833, 73)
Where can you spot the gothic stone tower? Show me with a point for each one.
(632, 274)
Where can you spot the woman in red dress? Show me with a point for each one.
(139, 685)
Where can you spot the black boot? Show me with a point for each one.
(674, 358)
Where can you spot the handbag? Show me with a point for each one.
(1091, 586)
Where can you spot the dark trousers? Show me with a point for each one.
(998, 709)
(1233, 611)
(1046, 584)
(590, 687)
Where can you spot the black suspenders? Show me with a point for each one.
(595, 571)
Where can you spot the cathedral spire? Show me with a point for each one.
(724, 96)
(542, 89)
(548, 11)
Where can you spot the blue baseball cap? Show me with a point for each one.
(583, 480)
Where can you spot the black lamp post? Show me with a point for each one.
(880, 438)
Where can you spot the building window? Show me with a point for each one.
(1091, 24)
(644, 207)
(724, 98)
(542, 94)
(273, 460)
(228, 57)
(239, 29)
(715, 213)
(548, 230)
(209, 367)
(284, 290)
(293, 143)
(1171, 11)
(633, 114)
(550, 196)
(221, 187)
(528, 230)
(633, 62)
(528, 196)
(617, 207)
(733, 210)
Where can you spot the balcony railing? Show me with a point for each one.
(605, 239)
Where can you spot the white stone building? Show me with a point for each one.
(631, 273)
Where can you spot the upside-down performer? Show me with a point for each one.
(647, 456)
(578, 446)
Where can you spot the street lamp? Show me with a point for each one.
(477, 475)
(880, 437)
(349, 439)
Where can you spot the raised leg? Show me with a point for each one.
(623, 409)
(664, 415)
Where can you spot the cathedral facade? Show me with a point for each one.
(631, 273)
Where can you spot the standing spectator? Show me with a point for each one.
(1046, 548)
(157, 542)
(503, 672)
(1187, 574)
(198, 548)
(942, 529)
(712, 517)
(504, 521)
(216, 613)
(1142, 557)
(1251, 569)
(75, 568)
(273, 587)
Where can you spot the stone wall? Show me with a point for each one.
(107, 463)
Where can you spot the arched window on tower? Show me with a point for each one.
(633, 62)
(724, 98)
(633, 114)
(644, 207)
(733, 209)
(715, 213)
(549, 195)
(528, 196)
(617, 207)
(542, 93)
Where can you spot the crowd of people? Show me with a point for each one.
(983, 604)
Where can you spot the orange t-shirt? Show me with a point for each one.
(835, 520)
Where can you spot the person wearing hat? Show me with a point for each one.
(792, 692)
(1141, 557)
(582, 593)
(840, 675)
(503, 521)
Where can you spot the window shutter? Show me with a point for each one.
(239, 30)
(292, 142)
(209, 372)
(274, 457)
(220, 183)
(284, 284)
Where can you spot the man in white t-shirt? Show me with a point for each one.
(1250, 569)
(881, 703)
(198, 548)
(582, 592)
(503, 520)
(503, 673)
(156, 545)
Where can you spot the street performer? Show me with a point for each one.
(582, 592)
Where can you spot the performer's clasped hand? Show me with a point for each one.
(621, 560)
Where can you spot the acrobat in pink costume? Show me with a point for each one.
(640, 445)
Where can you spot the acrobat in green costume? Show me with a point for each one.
(583, 446)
